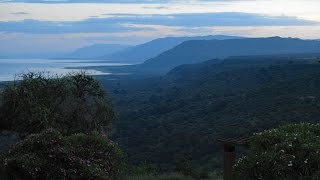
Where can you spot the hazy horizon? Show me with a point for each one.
(61, 26)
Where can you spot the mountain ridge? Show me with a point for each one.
(95, 50)
(150, 49)
(196, 51)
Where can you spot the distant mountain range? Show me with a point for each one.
(173, 51)
(140, 53)
(96, 50)
(196, 51)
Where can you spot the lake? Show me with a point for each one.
(11, 68)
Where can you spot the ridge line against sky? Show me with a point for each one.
(64, 25)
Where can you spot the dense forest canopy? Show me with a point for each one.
(179, 116)
(171, 123)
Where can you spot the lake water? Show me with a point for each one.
(10, 68)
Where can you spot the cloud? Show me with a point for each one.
(119, 22)
(47, 27)
(19, 13)
(218, 19)
(66, 24)
(114, 1)
(21, 42)
(90, 1)
(77, 11)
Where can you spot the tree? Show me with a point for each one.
(72, 104)
(289, 152)
(63, 123)
(50, 155)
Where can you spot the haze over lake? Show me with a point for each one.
(10, 68)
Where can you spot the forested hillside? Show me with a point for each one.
(142, 52)
(177, 118)
(171, 123)
(197, 51)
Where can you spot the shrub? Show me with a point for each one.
(73, 104)
(7, 139)
(172, 176)
(289, 152)
(185, 166)
(50, 155)
(142, 169)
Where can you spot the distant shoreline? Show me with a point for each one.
(9, 68)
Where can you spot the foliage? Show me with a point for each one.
(7, 139)
(183, 113)
(74, 103)
(77, 107)
(141, 169)
(288, 152)
(184, 166)
(50, 155)
(173, 176)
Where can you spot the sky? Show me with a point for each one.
(50, 26)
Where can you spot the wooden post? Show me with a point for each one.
(229, 155)
(229, 161)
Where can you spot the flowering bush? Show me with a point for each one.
(289, 152)
(49, 155)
